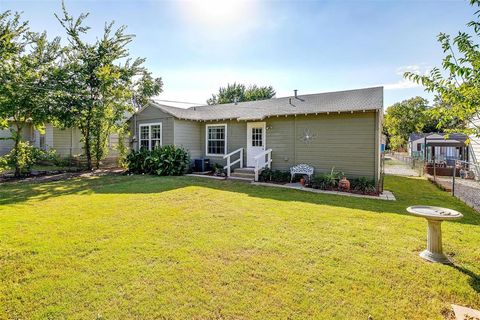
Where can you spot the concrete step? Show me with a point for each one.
(241, 179)
(243, 175)
(245, 170)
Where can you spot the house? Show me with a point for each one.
(444, 147)
(475, 150)
(66, 142)
(334, 129)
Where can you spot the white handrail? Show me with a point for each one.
(267, 163)
(229, 165)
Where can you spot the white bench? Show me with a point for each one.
(301, 169)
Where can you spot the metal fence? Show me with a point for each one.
(414, 163)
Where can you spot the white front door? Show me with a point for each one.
(256, 140)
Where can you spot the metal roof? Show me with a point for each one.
(340, 101)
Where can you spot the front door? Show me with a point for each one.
(255, 142)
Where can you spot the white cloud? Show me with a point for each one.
(401, 84)
(421, 69)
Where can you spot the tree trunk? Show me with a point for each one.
(17, 138)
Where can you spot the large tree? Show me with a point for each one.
(404, 118)
(28, 68)
(100, 83)
(240, 92)
(458, 86)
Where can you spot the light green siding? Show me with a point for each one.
(236, 138)
(188, 136)
(345, 141)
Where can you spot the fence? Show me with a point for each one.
(413, 163)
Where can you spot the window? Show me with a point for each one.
(216, 136)
(150, 136)
(419, 147)
(257, 137)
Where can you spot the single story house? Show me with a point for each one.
(427, 145)
(340, 130)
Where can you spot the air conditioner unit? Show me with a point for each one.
(201, 165)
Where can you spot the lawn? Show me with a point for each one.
(143, 247)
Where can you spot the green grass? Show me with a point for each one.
(144, 247)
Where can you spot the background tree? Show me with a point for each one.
(459, 86)
(27, 70)
(99, 84)
(404, 118)
(241, 93)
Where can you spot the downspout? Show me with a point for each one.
(294, 141)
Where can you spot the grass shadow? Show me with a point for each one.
(408, 191)
(474, 280)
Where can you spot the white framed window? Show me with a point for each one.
(216, 139)
(150, 135)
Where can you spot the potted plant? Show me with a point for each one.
(302, 181)
(344, 184)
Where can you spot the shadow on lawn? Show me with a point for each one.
(474, 280)
(408, 191)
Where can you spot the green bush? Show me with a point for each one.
(269, 175)
(24, 157)
(164, 161)
(362, 184)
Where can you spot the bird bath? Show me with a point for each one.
(434, 216)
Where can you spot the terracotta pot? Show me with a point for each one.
(344, 184)
(302, 182)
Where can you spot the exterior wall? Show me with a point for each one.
(236, 138)
(152, 114)
(348, 142)
(7, 145)
(475, 149)
(66, 142)
(188, 135)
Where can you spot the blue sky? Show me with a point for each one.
(313, 46)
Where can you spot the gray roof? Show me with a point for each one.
(340, 101)
(433, 137)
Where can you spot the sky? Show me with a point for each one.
(314, 46)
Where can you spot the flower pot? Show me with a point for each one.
(302, 182)
(344, 184)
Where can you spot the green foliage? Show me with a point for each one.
(218, 169)
(98, 83)
(28, 70)
(241, 93)
(362, 184)
(328, 180)
(269, 175)
(458, 87)
(404, 118)
(24, 156)
(164, 161)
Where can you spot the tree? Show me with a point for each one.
(459, 89)
(241, 93)
(404, 118)
(27, 70)
(98, 81)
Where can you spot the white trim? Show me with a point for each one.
(249, 136)
(206, 139)
(149, 125)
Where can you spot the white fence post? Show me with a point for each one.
(241, 158)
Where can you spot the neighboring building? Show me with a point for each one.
(326, 130)
(427, 145)
(66, 142)
(475, 150)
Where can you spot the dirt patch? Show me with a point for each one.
(59, 175)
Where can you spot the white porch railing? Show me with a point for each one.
(265, 163)
(229, 165)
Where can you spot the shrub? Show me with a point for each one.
(362, 184)
(23, 158)
(320, 181)
(164, 161)
(269, 175)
